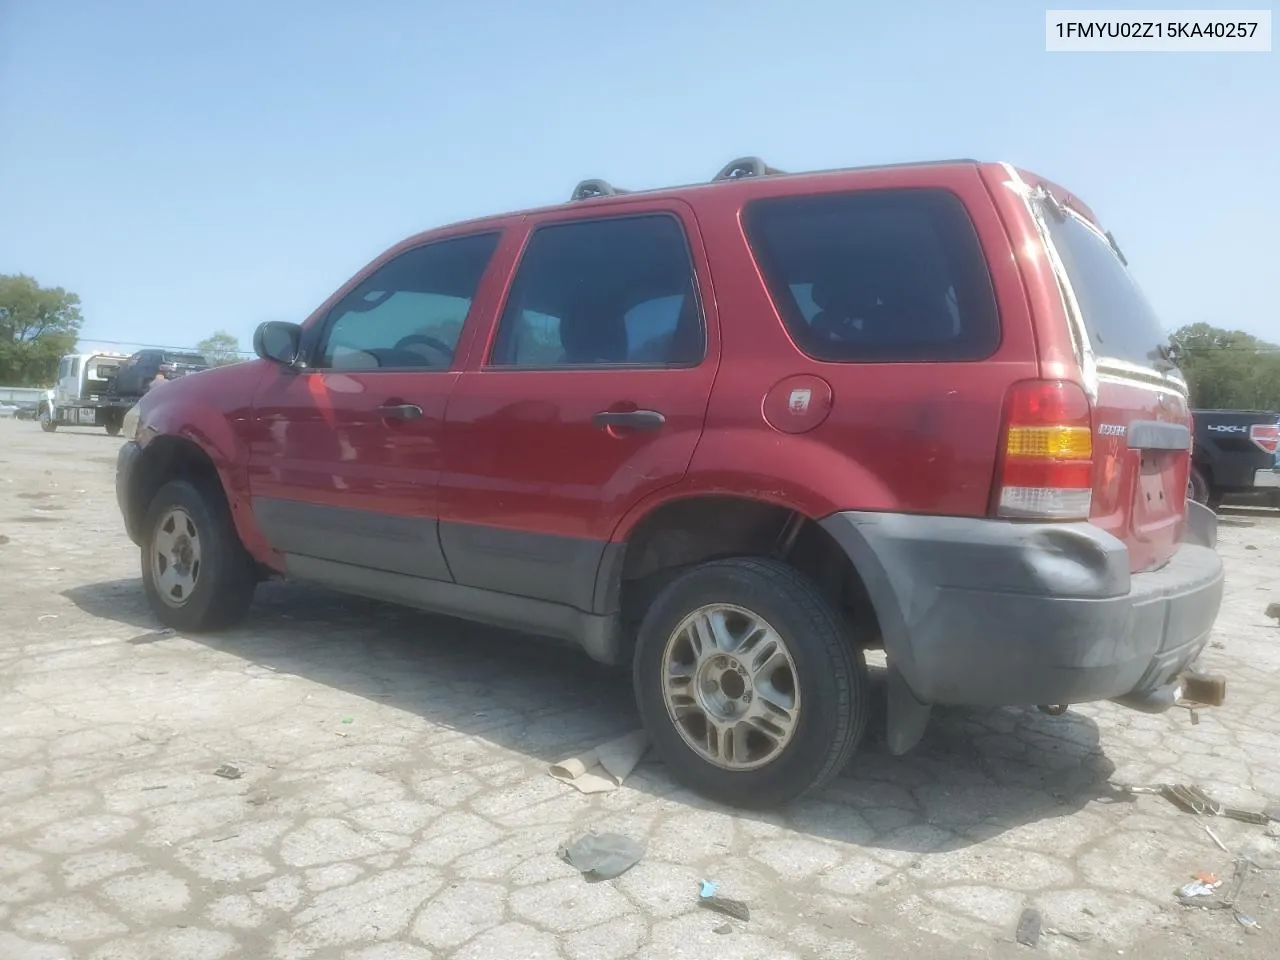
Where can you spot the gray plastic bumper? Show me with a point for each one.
(126, 463)
(985, 612)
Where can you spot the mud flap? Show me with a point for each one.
(907, 718)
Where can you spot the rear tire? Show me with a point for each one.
(196, 573)
(727, 727)
(1197, 486)
(113, 429)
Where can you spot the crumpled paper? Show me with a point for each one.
(604, 768)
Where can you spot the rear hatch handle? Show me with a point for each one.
(1158, 435)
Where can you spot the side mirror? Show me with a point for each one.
(278, 341)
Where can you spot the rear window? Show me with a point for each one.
(1122, 324)
(877, 275)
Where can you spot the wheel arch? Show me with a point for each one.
(682, 531)
(164, 459)
(183, 456)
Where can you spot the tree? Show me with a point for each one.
(220, 349)
(37, 326)
(1229, 369)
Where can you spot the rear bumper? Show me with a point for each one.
(1267, 478)
(991, 613)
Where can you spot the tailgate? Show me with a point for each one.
(1142, 457)
(1141, 418)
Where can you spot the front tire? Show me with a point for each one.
(47, 423)
(196, 573)
(748, 683)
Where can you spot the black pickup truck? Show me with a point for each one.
(1235, 456)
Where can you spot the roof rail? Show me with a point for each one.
(745, 167)
(588, 189)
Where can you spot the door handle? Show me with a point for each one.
(400, 411)
(630, 419)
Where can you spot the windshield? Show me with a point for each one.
(1121, 322)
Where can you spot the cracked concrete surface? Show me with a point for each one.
(395, 805)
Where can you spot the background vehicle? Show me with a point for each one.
(1235, 457)
(141, 369)
(733, 435)
(84, 394)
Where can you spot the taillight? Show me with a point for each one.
(1266, 436)
(1046, 464)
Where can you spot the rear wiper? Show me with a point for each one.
(1051, 203)
(1171, 352)
(1116, 247)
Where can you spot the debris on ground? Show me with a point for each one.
(1029, 925)
(709, 897)
(348, 719)
(229, 771)
(724, 928)
(1193, 800)
(602, 856)
(1079, 936)
(730, 908)
(1205, 876)
(1247, 922)
(1273, 611)
(603, 769)
(1216, 839)
(1197, 888)
(1191, 894)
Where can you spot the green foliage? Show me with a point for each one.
(1229, 369)
(38, 325)
(220, 349)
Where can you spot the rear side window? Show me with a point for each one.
(877, 275)
(611, 292)
(1122, 324)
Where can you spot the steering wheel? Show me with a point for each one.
(405, 342)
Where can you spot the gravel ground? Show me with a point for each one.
(395, 802)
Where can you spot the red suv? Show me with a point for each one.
(734, 435)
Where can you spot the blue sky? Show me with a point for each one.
(190, 167)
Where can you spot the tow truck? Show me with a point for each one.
(83, 395)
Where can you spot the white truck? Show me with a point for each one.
(83, 395)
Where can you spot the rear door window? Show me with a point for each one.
(877, 275)
(613, 292)
(1121, 323)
